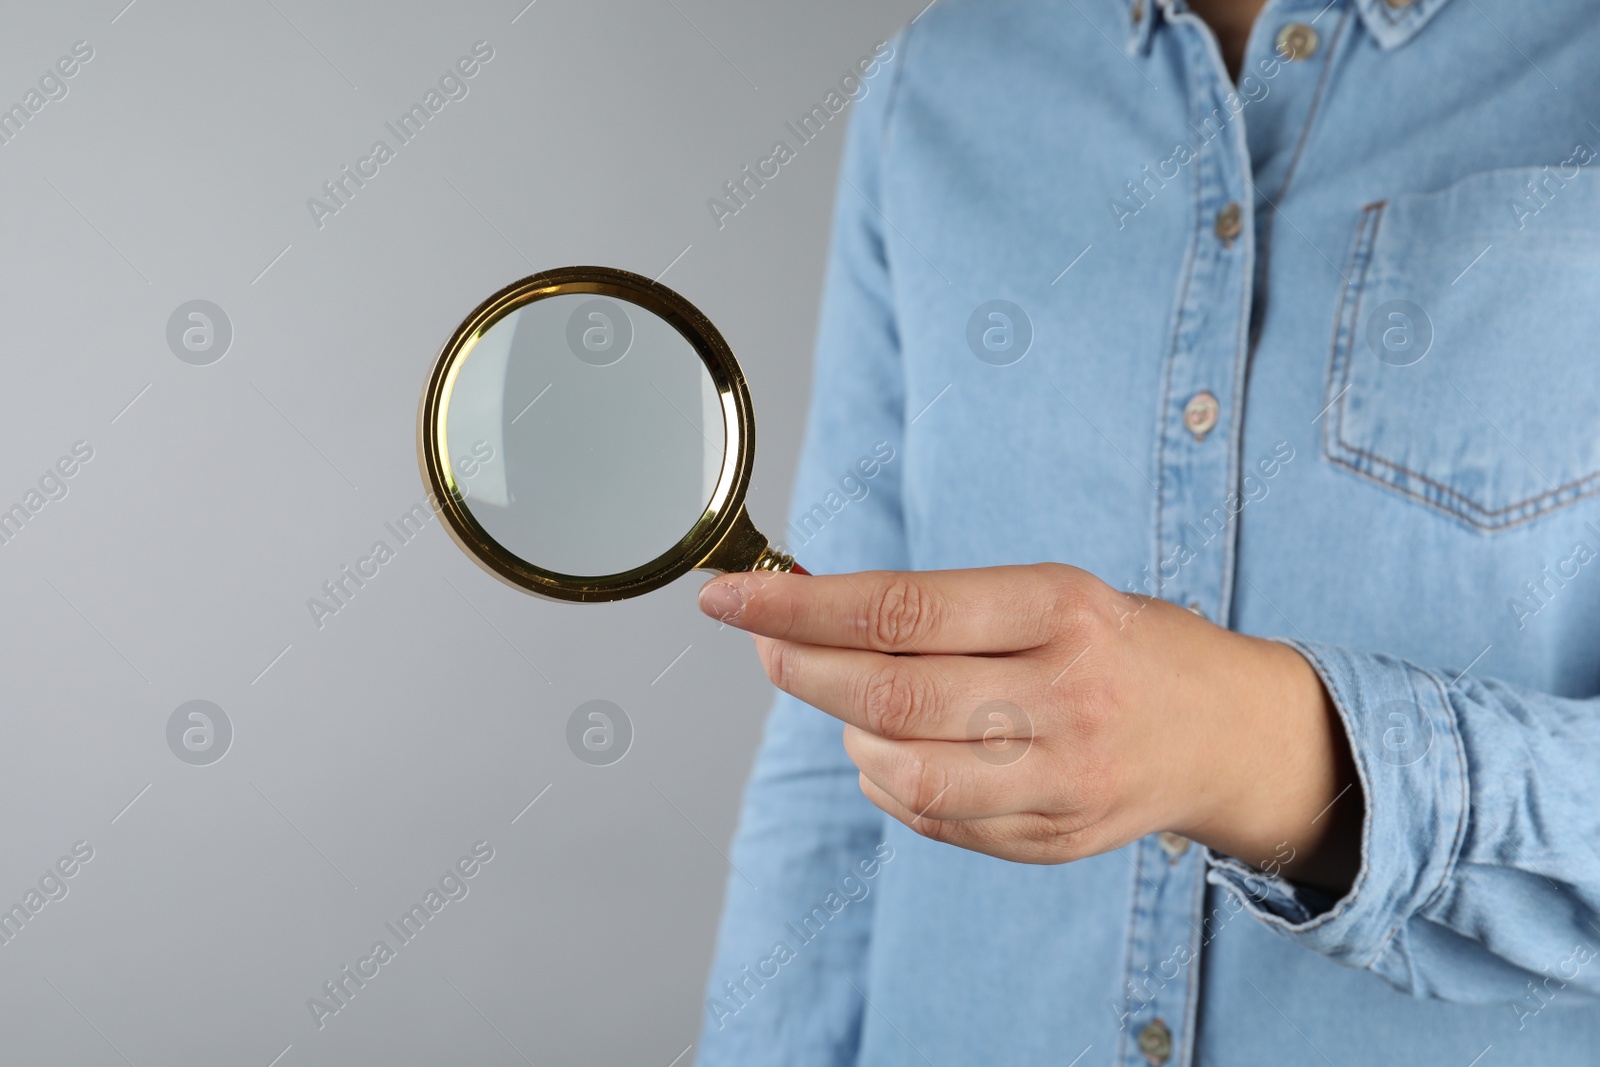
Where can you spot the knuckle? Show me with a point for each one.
(780, 664)
(1093, 707)
(1095, 795)
(901, 614)
(1056, 578)
(786, 613)
(1076, 613)
(924, 789)
(1088, 800)
(893, 701)
(1081, 606)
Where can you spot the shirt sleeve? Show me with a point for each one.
(804, 826)
(1479, 878)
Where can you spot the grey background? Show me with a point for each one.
(370, 754)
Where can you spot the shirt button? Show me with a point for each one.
(1137, 13)
(1200, 414)
(1397, 4)
(1172, 844)
(1298, 41)
(1155, 1041)
(1194, 606)
(1230, 222)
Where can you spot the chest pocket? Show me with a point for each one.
(1464, 371)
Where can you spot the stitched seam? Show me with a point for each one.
(1241, 375)
(1350, 315)
(1360, 263)
(1166, 383)
(1383, 946)
(1466, 501)
(1254, 906)
(1368, 813)
(1133, 925)
(1336, 353)
(1316, 103)
(1453, 858)
(1288, 175)
(1418, 498)
(1246, 343)
(1197, 941)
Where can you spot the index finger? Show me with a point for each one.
(988, 609)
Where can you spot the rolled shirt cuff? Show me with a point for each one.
(1412, 768)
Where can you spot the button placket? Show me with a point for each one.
(1198, 450)
(1163, 953)
(1197, 462)
(1196, 472)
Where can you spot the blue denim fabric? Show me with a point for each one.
(1401, 481)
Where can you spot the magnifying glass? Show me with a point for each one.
(587, 436)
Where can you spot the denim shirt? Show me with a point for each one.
(1313, 353)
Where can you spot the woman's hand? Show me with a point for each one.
(1036, 714)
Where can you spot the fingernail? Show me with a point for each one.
(721, 601)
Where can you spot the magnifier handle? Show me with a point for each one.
(797, 569)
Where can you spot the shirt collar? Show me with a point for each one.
(1390, 22)
(1394, 22)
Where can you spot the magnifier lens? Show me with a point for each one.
(585, 434)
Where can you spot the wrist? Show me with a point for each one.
(1272, 781)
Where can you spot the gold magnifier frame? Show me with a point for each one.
(723, 538)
